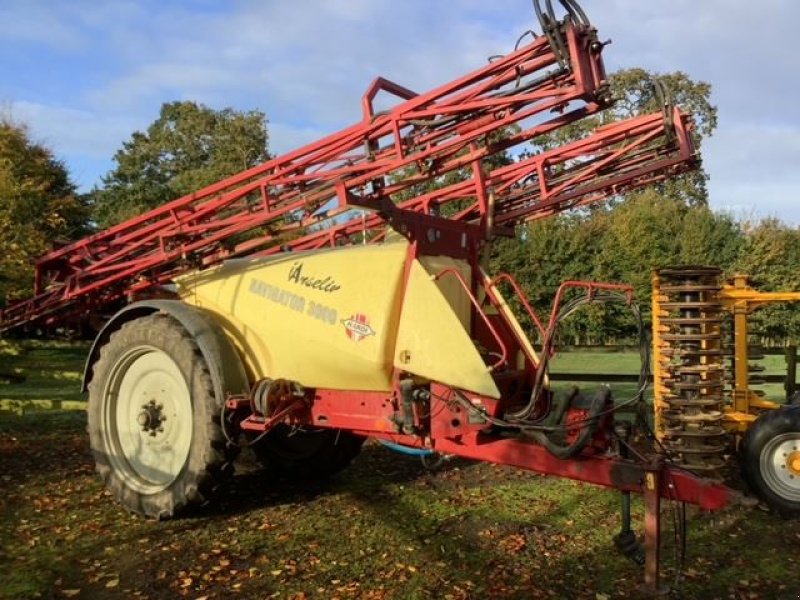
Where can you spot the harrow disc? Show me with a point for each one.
(690, 354)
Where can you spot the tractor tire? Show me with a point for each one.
(770, 459)
(307, 454)
(154, 420)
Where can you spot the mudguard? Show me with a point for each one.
(225, 366)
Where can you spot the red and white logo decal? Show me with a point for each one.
(357, 327)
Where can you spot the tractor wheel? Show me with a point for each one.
(307, 453)
(154, 423)
(770, 459)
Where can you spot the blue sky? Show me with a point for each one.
(85, 74)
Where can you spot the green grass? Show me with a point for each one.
(628, 363)
(51, 371)
(385, 528)
(596, 362)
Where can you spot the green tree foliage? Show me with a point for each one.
(771, 258)
(188, 147)
(649, 231)
(38, 206)
(624, 245)
(634, 94)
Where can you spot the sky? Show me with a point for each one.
(84, 75)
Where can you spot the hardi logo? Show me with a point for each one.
(357, 327)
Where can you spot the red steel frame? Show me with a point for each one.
(314, 197)
(417, 140)
(617, 157)
(359, 411)
(447, 428)
(154, 248)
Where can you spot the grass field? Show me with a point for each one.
(384, 528)
(628, 363)
(52, 375)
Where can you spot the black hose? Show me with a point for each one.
(664, 101)
(544, 356)
(573, 15)
(540, 16)
(600, 400)
(552, 31)
(576, 9)
(530, 32)
(550, 12)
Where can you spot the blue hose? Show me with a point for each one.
(407, 449)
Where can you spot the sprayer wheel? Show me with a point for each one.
(307, 453)
(770, 459)
(154, 424)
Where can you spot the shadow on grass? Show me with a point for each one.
(507, 533)
(253, 488)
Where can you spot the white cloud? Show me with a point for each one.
(284, 137)
(86, 141)
(73, 131)
(754, 170)
(35, 23)
(307, 63)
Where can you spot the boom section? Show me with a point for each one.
(545, 84)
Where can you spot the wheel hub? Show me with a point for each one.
(793, 463)
(151, 418)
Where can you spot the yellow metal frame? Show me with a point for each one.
(741, 300)
(659, 389)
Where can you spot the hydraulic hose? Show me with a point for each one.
(568, 309)
(563, 452)
(408, 450)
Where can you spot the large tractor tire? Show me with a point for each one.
(154, 418)
(770, 459)
(307, 454)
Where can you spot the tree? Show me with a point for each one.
(642, 233)
(188, 147)
(38, 206)
(649, 231)
(771, 258)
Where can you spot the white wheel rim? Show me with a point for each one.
(776, 465)
(147, 455)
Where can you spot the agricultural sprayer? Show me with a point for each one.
(333, 294)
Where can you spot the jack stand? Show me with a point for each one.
(652, 530)
(626, 541)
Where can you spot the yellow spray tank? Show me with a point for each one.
(343, 318)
